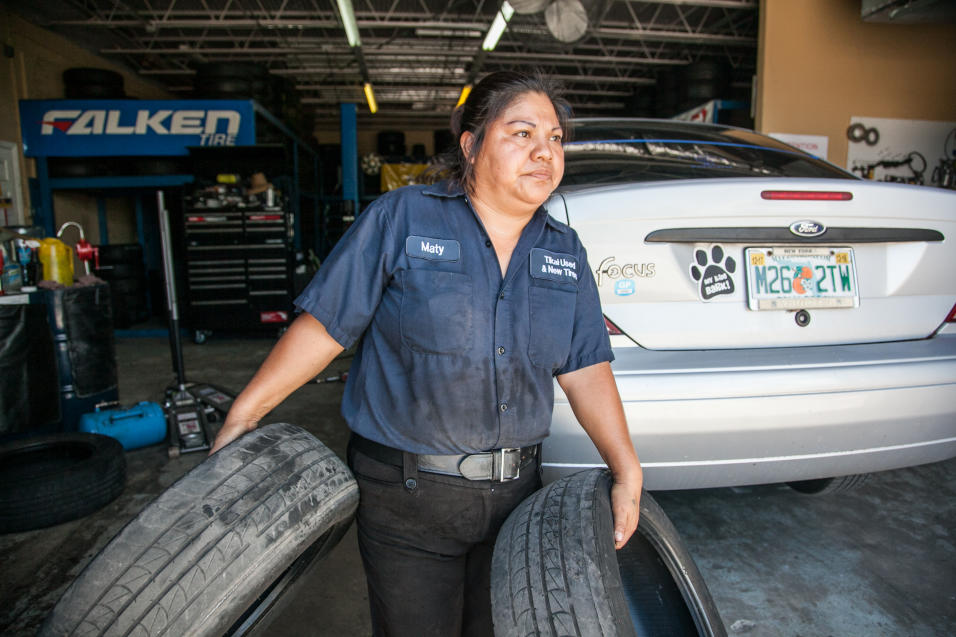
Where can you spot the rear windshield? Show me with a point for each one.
(609, 153)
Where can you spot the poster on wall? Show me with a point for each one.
(816, 145)
(902, 150)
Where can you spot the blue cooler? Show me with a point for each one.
(138, 426)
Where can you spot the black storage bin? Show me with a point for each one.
(81, 321)
(29, 395)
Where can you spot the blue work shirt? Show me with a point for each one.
(455, 358)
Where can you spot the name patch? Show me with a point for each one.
(554, 266)
(434, 249)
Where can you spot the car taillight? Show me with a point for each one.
(949, 319)
(614, 330)
(806, 195)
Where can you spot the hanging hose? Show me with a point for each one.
(84, 250)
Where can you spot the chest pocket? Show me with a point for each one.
(552, 323)
(437, 315)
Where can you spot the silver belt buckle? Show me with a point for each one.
(506, 460)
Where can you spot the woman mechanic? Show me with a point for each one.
(469, 299)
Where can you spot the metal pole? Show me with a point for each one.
(348, 119)
(169, 275)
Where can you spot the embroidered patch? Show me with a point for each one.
(434, 249)
(554, 266)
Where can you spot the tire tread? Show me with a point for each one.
(553, 584)
(190, 563)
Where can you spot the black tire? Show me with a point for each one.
(229, 86)
(114, 253)
(207, 549)
(161, 167)
(244, 70)
(94, 92)
(55, 478)
(856, 132)
(823, 486)
(120, 271)
(555, 570)
(704, 80)
(91, 75)
(69, 167)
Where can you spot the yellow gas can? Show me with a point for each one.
(57, 260)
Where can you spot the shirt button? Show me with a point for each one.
(487, 243)
(501, 296)
(503, 407)
(501, 350)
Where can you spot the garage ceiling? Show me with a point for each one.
(418, 54)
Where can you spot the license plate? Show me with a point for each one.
(796, 278)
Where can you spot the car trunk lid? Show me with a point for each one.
(671, 260)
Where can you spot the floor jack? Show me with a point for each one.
(194, 411)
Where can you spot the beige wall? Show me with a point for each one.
(36, 72)
(819, 65)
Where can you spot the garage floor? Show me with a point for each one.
(880, 560)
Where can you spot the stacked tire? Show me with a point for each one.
(121, 266)
(244, 81)
(85, 83)
(233, 81)
(667, 95)
(704, 81)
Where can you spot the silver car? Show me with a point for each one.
(774, 318)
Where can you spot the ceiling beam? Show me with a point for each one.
(649, 35)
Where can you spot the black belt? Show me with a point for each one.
(499, 465)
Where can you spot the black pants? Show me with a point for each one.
(427, 551)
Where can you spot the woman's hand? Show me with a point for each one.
(231, 429)
(626, 507)
(592, 394)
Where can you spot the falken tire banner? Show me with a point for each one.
(198, 557)
(110, 128)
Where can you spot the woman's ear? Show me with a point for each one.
(466, 142)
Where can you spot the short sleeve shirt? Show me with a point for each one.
(453, 356)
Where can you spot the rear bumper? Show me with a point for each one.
(718, 418)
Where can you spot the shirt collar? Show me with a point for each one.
(450, 189)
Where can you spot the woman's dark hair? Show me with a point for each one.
(490, 97)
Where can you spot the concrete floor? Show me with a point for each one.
(880, 560)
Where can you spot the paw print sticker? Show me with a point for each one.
(714, 272)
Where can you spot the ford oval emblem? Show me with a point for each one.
(807, 228)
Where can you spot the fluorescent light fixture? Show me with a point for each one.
(370, 97)
(465, 92)
(498, 26)
(348, 21)
(447, 33)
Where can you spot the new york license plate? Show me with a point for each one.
(795, 278)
